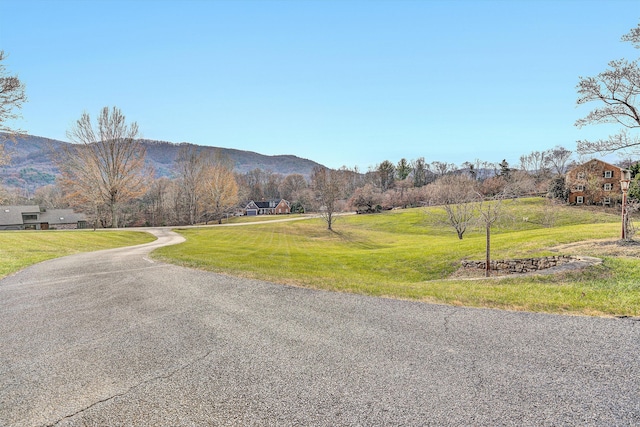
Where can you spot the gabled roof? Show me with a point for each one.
(12, 215)
(597, 161)
(266, 204)
(61, 216)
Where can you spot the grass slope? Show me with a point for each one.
(410, 254)
(19, 249)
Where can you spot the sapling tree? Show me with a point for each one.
(489, 212)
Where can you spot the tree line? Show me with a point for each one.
(103, 174)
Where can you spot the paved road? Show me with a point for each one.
(112, 338)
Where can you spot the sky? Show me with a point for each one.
(343, 83)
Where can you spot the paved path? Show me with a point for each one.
(115, 339)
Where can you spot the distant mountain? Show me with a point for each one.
(31, 164)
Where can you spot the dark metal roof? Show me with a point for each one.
(12, 215)
(61, 216)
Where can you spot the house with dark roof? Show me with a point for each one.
(271, 207)
(32, 217)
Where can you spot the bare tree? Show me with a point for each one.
(327, 185)
(291, 185)
(457, 194)
(442, 168)
(104, 165)
(271, 185)
(559, 159)
(489, 213)
(616, 90)
(220, 191)
(520, 183)
(190, 166)
(50, 196)
(353, 179)
(366, 199)
(535, 163)
(157, 202)
(12, 96)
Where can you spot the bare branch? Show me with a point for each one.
(633, 37)
(618, 142)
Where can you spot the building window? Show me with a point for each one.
(30, 217)
(580, 200)
(581, 175)
(579, 187)
(606, 201)
(608, 186)
(608, 174)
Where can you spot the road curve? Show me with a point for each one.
(112, 338)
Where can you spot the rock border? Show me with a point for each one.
(548, 264)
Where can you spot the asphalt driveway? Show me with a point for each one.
(113, 338)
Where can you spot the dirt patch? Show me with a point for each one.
(602, 248)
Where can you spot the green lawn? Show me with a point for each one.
(19, 249)
(409, 254)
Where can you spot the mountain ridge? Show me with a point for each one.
(31, 164)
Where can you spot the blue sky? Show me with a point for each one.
(339, 82)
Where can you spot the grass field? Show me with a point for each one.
(409, 254)
(19, 249)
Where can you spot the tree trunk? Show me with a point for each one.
(488, 260)
(114, 216)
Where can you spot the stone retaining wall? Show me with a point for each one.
(523, 265)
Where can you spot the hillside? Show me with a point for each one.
(31, 164)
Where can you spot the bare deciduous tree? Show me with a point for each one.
(366, 199)
(12, 96)
(327, 185)
(292, 185)
(536, 163)
(104, 165)
(442, 168)
(157, 201)
(457, 194)
(559, 159)
(220, 191)
(616, 90)
(50, 197)
(190, 165)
